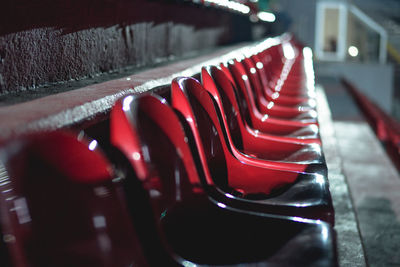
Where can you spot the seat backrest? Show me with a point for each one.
(243, 86)
(253, 74)
(148, 132)
(262, 75)
(154, 142)
(220, 87)
(196, 106)
(60, 206)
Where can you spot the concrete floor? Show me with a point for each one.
(364, 183)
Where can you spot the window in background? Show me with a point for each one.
(343, 32)
(331, 30)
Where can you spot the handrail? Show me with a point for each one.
(393, 53)
(376, 27)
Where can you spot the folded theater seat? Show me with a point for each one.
(230, 172)
(254, 118)
(192, 226)
(305, 158)
(304, 113)
(271, 94)
(61, 205)
(244, 91)
(251, 88)
(288, 74)
(258, 184)
(227, 98)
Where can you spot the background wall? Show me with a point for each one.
(302, 17)
(47, 42)
(373, 79)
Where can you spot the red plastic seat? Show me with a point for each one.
(193, 104)
(262, 122)
(289, 116)
(301, 113)
(252, 175)
(268, 94)
(288, 78)
(272, 95)
(60, 206)
(281, 56)
(192, 227)
(256, 144)
(217, 84)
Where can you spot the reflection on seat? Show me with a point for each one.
(253, 117)
(195, 228)
(272, 95)
(217, 84)
(273, 108)
(60, 207)
(229, 172)
(234, 173)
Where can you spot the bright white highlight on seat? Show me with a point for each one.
(93, 145)
(136, 155)
(126, 104)
(288, 51)
(325, 233)
(231, 5)
(221, 205)
(99, 221)
(266, 16)
(320, 179)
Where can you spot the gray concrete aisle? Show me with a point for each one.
(372, 181)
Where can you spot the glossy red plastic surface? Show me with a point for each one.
(92, 167)
(386, 128)
(263, 123)
(238, 164)
(188, 227)
(214, 155)
(125, 117)
(304, 135)
(255, 143)
(288, 77)
(272, 107)
(60, 207)
(264, 91)
(272, 95)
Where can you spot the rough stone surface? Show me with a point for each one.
(56, 41)
(375, 187)
(40, 56)
(69, 108)
(349, 243)
(373, 181)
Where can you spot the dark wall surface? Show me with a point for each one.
(46, 42)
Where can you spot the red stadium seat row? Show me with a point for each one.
(226, 169)
(386, 128)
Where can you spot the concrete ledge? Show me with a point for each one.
(349, 244)
(94, 101)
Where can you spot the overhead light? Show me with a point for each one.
(266, 16)
(353, 51)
